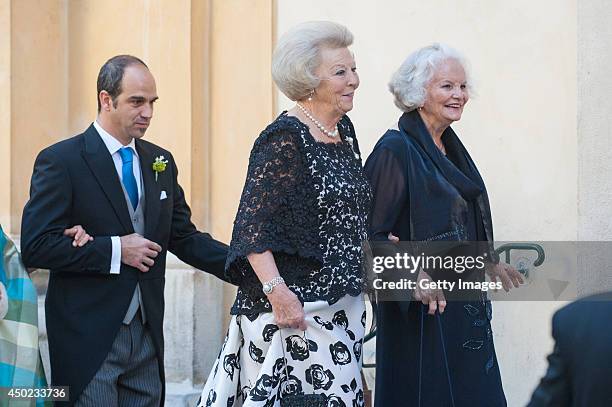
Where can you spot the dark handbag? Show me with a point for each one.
(301, 400)
(304, 400)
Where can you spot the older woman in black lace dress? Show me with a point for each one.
(299, 317)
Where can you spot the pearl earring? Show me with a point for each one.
(310, 95)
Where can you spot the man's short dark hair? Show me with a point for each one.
(111, 76)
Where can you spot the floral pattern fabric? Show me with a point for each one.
(259, 364)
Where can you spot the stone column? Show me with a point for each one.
(594, 142)
(5, 115)
(34, 116)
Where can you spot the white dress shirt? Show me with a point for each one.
(113, 145)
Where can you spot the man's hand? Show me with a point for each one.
(136, 251)
(79, 235)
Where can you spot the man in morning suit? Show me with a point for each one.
(580, 367)
(105, 300)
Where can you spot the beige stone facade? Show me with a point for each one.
(211, 61)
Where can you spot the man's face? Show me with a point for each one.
(132, 110)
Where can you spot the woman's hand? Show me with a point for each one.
(432, 297)
(80, 236)
(507, 274)
(287, 308)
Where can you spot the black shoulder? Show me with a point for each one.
(581, 317)
(286, 129)
(575, 311)
(64, 150)
(68, 144)
(394, 142)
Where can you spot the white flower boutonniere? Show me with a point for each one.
(159, 165)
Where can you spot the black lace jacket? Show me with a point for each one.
(307, 202)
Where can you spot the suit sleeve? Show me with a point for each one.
(45, 217)
(554, 389)
(195, 248)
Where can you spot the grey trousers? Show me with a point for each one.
(129, 376)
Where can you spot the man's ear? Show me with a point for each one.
(106, 100)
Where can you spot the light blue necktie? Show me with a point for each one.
(129, 181)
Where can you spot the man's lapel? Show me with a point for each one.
(101, 164)
(151, 187)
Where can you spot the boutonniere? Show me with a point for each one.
(159, 165)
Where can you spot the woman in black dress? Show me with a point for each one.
(427, 188)
(299, 316)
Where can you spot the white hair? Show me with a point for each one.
(298, 54)
(408, 83)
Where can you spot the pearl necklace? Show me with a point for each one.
(330, 134)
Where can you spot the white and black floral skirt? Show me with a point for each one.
(259, 364)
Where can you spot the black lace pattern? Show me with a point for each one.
(307, 202)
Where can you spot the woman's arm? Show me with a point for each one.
(389, 193)
(263, 223)
(287, 308)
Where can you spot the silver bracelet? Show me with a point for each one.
(268, 286)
